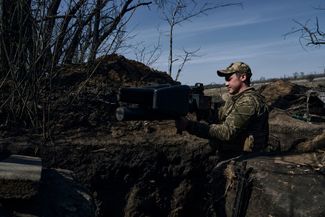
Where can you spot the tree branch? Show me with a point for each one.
(308, 34)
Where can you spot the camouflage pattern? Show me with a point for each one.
(243, 124)
(237, 67)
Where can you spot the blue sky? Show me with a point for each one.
(253, 34)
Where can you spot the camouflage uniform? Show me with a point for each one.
(243, 125)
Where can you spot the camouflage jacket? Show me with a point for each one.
(243, 124)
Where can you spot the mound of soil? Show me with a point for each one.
(85, 96)
(282, 94)
(289, 129)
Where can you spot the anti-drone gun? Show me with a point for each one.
(163, 102)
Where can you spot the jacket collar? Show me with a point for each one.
(236, 96)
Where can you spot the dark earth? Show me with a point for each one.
(96, 166)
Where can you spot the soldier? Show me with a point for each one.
(243, 121)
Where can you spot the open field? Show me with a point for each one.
(317, 84)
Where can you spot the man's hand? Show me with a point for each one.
(181, 124)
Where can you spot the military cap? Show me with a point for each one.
(239, 67)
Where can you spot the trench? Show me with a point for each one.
(148, 179)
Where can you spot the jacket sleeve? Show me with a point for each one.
(235, 122)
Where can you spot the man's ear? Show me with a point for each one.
(243, 77)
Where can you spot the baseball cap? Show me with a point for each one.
(235, 67)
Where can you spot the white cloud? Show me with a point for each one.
(212, 25)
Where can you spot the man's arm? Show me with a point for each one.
(235, 122)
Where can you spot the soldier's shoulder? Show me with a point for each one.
(249, 94)
(252, 97)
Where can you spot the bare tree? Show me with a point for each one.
(180, 11)
(60, 29)
(187, 57)
(38, 35)
(148, 54)
(1, 32)
(310, 32)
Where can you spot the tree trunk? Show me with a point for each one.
(170, 58)
(1, 39)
